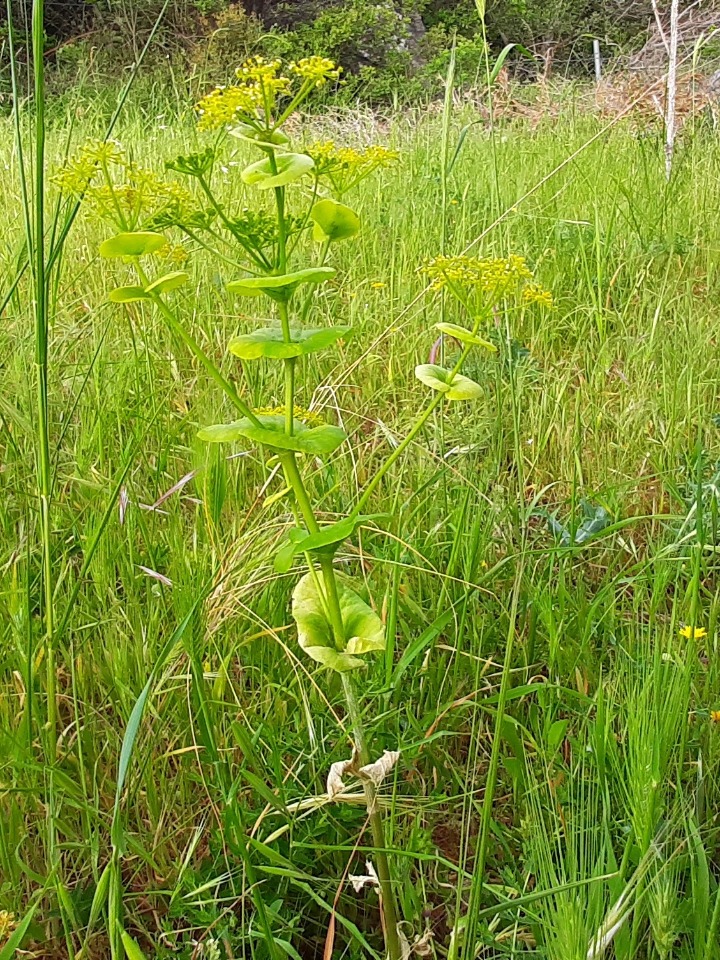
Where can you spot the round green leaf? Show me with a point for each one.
(280, 287)
(455, 387)
(171, 281)
(318, 441)
(333, 221)
(290, 166)
(132, 244)
(363, 630)
(464, 336)
(269, 342)
(128, 295)
(267, 139)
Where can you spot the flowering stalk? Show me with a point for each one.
(336, 627)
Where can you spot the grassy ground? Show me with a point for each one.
(565, 524)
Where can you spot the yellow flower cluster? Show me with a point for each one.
(345, 167)
(316, 69)
(260, 84)
(174, 253)
(77, 172)
(497, 276)
(7, 924)
(693, 633)
(137, 196)
(299, 413)
(538, 295)
(226, 105)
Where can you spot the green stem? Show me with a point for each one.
(397, 452)
(295, 481)
(389, 902)
(197, 351)
(253, 254)
(404, 444)
(41, 359)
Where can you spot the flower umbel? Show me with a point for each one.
(261, 84)
(496, 276)
(299, 413)
(534, 293)
(7, 924)
(118, 190)
(345, 167)
(316, 69)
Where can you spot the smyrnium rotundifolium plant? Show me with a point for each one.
(277, 248)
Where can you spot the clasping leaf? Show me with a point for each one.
(454, 386)
(289, 167)
(265, 139)
(363, 630)
(333, 221)
(463, 335)
(326, 541)
(132, 244)
(281, 287)
(318, 441)
(269, 342)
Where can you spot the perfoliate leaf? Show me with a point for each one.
(281, 287)
(267, 139)
(269, 342)
(455, 387)
(333, 221)
(464, 336)
(363, 630)
(318, 441)
(290, 166)
(128, 295)
(171, 281)
(326, 540)
(132, 244)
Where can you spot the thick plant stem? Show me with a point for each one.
(387, 893)
(334, 612)
(389, 901)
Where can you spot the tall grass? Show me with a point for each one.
(602, 835)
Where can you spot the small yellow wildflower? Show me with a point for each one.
(534, 293)
(715, 716)
(7, 924)
(693, 633)
(378, 285)
(316, 69)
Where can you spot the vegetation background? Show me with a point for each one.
(548, 565)
(389, 49)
